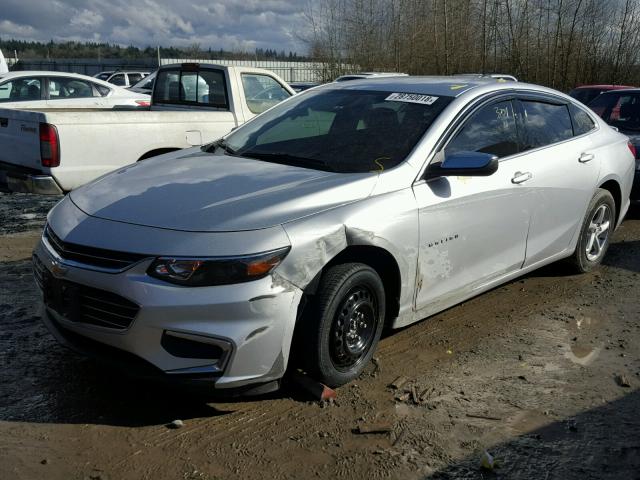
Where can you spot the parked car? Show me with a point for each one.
(145, 85)
(302, 86)
(122, 78)
(51, 152)
(586, 93)
(31, 89)
(621, 109)
(361, 75)
(304, 232)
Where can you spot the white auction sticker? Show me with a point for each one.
(412, 98)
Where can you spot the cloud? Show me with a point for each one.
(215, 24)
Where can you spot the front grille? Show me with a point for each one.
(81, 304)
(97, 257)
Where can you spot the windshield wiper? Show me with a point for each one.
(288, 159)
(220, 144)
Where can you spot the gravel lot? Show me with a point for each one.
(529, 372)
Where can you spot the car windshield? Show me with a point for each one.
(340, 130)
(104, 75)
(621, 110)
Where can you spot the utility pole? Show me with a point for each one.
(158, 56)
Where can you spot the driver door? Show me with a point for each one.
(473, 230)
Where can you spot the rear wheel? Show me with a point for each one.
(596, 232)
(343, 323)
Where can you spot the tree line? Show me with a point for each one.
(559, 43)
(29, 50)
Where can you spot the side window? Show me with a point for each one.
(200, 87)
(262, 92)
(102, 90)
(61, 88)
(135, 78)
(20, 90)
(119, 80)
(544, 124)
(582, 122)
(492, 130)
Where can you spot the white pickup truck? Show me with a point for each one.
(52, 151)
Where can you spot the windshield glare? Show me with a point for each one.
(345, 131)
(621, 110)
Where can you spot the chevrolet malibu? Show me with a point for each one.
(346, 209)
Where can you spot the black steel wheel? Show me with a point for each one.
(343, 323)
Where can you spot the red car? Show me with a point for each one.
(586, 93)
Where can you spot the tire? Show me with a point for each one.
(342, 324)
(594, 239)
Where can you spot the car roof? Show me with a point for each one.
(450, 86)
(603, 87)
(44, 73)
(622, 90)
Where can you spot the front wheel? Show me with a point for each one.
(343, 323)
(596, 232)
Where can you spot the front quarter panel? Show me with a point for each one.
(388, 221)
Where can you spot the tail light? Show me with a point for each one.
(143, 103)
(49, 146)
(632, 147)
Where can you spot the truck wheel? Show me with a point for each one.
(343, 323)
(596, 232)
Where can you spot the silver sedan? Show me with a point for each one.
(350, 207)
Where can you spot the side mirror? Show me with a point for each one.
(464, 164)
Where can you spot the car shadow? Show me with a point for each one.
(598, 443)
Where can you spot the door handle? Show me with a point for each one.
(521, 177)
(586, 157)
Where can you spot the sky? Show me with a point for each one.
(228, 24)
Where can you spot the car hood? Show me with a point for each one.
(199, 191)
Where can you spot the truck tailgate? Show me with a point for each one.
(20, 138)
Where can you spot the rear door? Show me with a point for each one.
(473, 230)
(564, 169)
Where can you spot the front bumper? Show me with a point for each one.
(245, 329)
(23, 180)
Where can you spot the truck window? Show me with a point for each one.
(135, 78)
(118, 80)
(262, 92)
(201, 87)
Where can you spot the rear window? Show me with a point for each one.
(585, 95)
(621, 110)
(201, 87)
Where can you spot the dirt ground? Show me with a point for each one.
(527, 372)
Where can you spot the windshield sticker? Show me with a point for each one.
(412, 98)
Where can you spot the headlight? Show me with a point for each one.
(204, 272)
